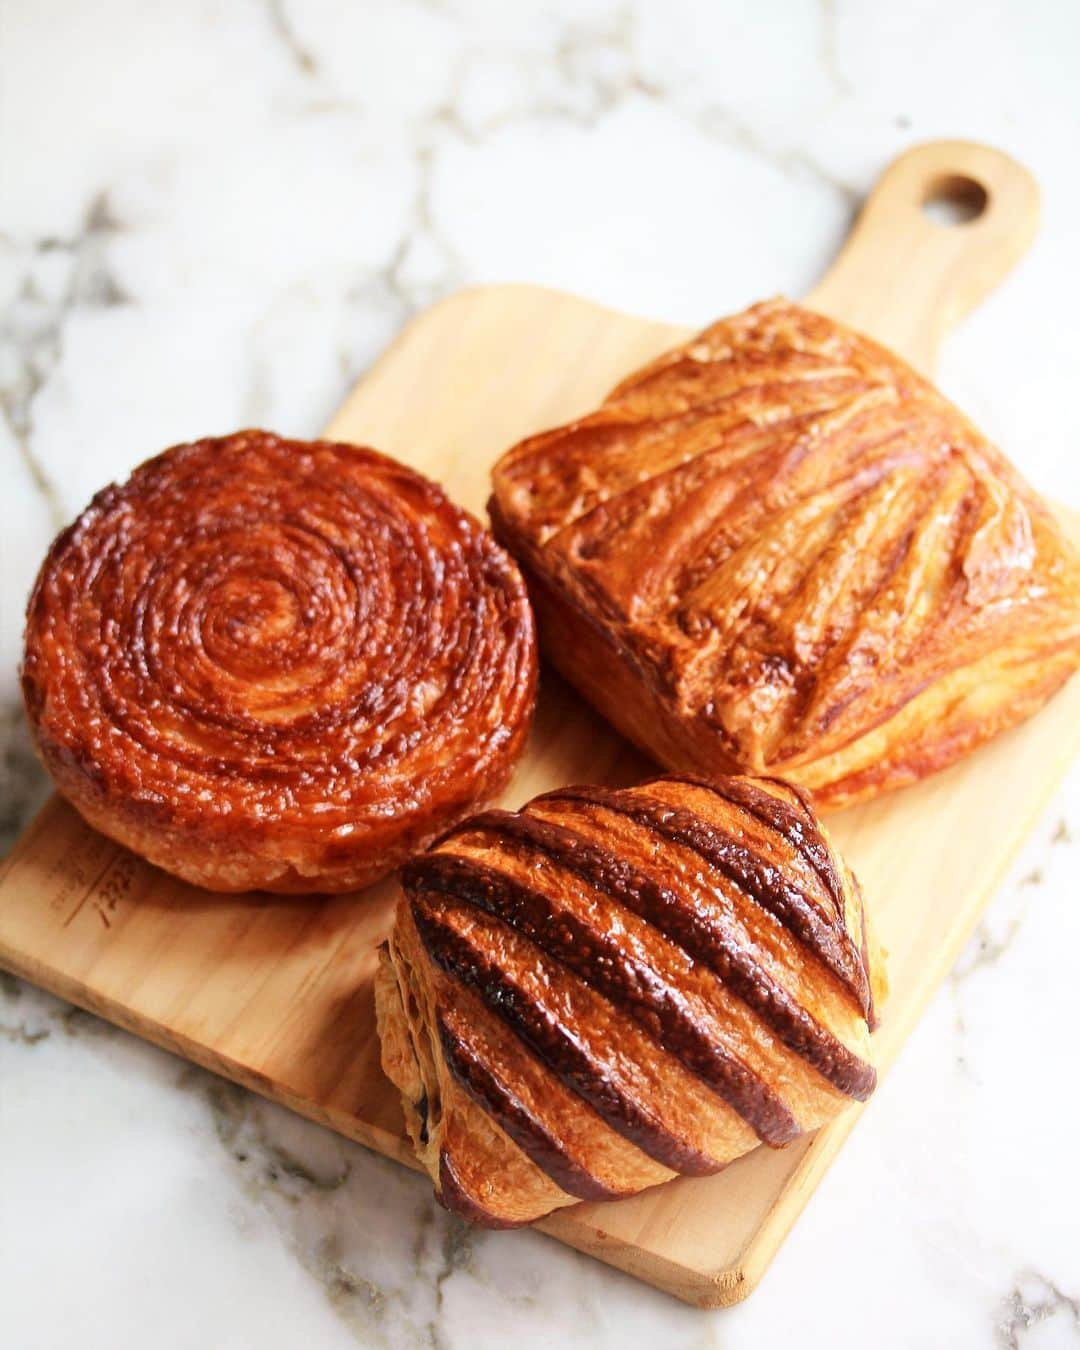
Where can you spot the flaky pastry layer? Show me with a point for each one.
(778, 549)
(272, 664)
(612, 987)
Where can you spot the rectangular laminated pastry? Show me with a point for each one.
(778, 549)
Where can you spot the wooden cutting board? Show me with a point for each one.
(275, 992)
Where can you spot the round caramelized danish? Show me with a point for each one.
(609, 987)
(269, 664)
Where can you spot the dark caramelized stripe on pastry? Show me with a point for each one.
(798, 827)
(802, 831)
(494, 1097)
(696, 932)
(631, 985)
(759, 880)
(556, 1046)
(456, 1198)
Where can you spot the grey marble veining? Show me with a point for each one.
(219, 214)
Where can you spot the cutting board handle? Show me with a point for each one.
(908, 273)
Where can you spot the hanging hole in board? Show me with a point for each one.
(955, 200)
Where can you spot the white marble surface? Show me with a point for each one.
(216, 214)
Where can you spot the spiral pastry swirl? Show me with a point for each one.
(269, 664)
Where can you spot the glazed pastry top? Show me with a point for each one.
(625, 984)
(254, 636)
(791, 534)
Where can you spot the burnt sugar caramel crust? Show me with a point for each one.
(273, 664)
(777, 549)
(614, 986)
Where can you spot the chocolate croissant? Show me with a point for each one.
(778, 549)
(269, 664)
(610, 987)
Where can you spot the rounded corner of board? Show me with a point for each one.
(721, 1288)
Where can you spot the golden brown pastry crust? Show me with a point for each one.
(280, 665)
(779, 549)
(610, 987)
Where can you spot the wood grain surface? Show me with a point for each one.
(275, 992)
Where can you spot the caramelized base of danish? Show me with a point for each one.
(270, 664)
(610, 988)
(777, 549)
